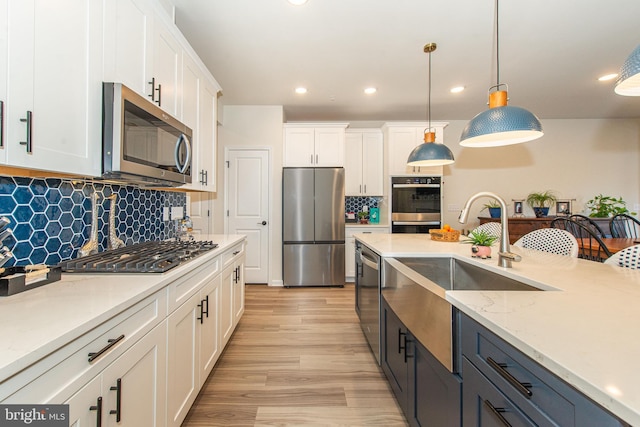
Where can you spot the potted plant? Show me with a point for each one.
(363, 217)
(606, 206)
(540, 202)
(481, 242)
(494, 209)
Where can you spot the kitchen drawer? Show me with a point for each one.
(483, 404)
(69, 367)
(531, 387)
(363, 229)
(231, 254)
(184, 288)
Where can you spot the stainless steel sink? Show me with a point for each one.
(415, 289)
(451, 274)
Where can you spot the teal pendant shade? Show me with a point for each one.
(628, 84)
(430, 154)
(498, 126)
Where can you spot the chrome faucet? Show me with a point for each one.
(505, 256)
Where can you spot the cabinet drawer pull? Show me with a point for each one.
(29, 121)
(112, 342)
(401, 346)
(497, 412)
(500, 368)
(159, 101)
(118, 389)
(236, 252)
(98, 408)
(406, 349)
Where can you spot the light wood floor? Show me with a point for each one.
(298, 357)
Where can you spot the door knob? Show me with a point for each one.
(262, 223)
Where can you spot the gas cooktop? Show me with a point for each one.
(146, 257)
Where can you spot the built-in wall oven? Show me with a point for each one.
(415, 203)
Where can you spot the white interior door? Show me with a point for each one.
(248, 207)
(199, 210)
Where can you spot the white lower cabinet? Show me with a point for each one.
(144, 366)
(350, 247)
(129, 392)
(194, 347)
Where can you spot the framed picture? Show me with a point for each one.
(517, 207)
(563, 207)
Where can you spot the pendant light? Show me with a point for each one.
(501, 124)
(430, 153)
(628, 83)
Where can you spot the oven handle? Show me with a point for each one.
(416, 223)
(416, 186)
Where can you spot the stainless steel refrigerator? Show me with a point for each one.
(313, 226)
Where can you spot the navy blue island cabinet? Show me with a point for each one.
(428, 393)
(504, 387)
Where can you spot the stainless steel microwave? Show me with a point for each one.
(141, 143)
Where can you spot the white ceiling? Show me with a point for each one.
(551, 53)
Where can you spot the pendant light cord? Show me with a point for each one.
(429, 98)
(497, 46)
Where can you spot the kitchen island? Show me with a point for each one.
(582, 327)
(78, 339)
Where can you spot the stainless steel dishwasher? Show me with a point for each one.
(368, 295)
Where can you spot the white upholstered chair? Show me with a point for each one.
(628, 257)
(492, 228)
(551, 240)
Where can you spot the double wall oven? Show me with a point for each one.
(415, 203)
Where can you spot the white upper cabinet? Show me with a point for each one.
(4, 44)
(142, 53)
(53, 104)
(400, 138)
(314, 144)
(363, 162)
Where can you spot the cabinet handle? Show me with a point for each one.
(98, 408)
(316, 159)
(497, 412)
(500, 368)
(159, 101)
(365, 189)
(153, 89)
(201, 306)
(406, 348)
(400, 345)
(103, 350)
(206, 301)
(1, 124)
(236, 252)
(311, 159)
(118, 389)
(204, 178)
(360, 190)
(29, 121)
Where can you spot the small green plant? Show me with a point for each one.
(606, 206)
(491, 205)
(481, 238)
(541, 199)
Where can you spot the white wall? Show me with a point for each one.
(577, 159)
(257, 127)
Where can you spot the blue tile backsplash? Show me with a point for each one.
(355, 204)
(51, 218)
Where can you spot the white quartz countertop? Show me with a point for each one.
(586, 331)
(37, 322)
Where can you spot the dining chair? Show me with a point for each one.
(553, 240)
(628, 258)
(492, 228)
(623, 225)
(589, 223)
(591, 245)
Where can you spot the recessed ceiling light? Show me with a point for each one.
(297, 2)
(607, 77)
(301, 90)
(457, 89)
(370, 90)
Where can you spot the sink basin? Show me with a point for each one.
(451, 274)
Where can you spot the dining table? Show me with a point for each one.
(614, 244)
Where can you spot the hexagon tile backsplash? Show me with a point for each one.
(51, 218)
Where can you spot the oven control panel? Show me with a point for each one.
(415, 180)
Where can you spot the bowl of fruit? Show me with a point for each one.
(445, 234)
